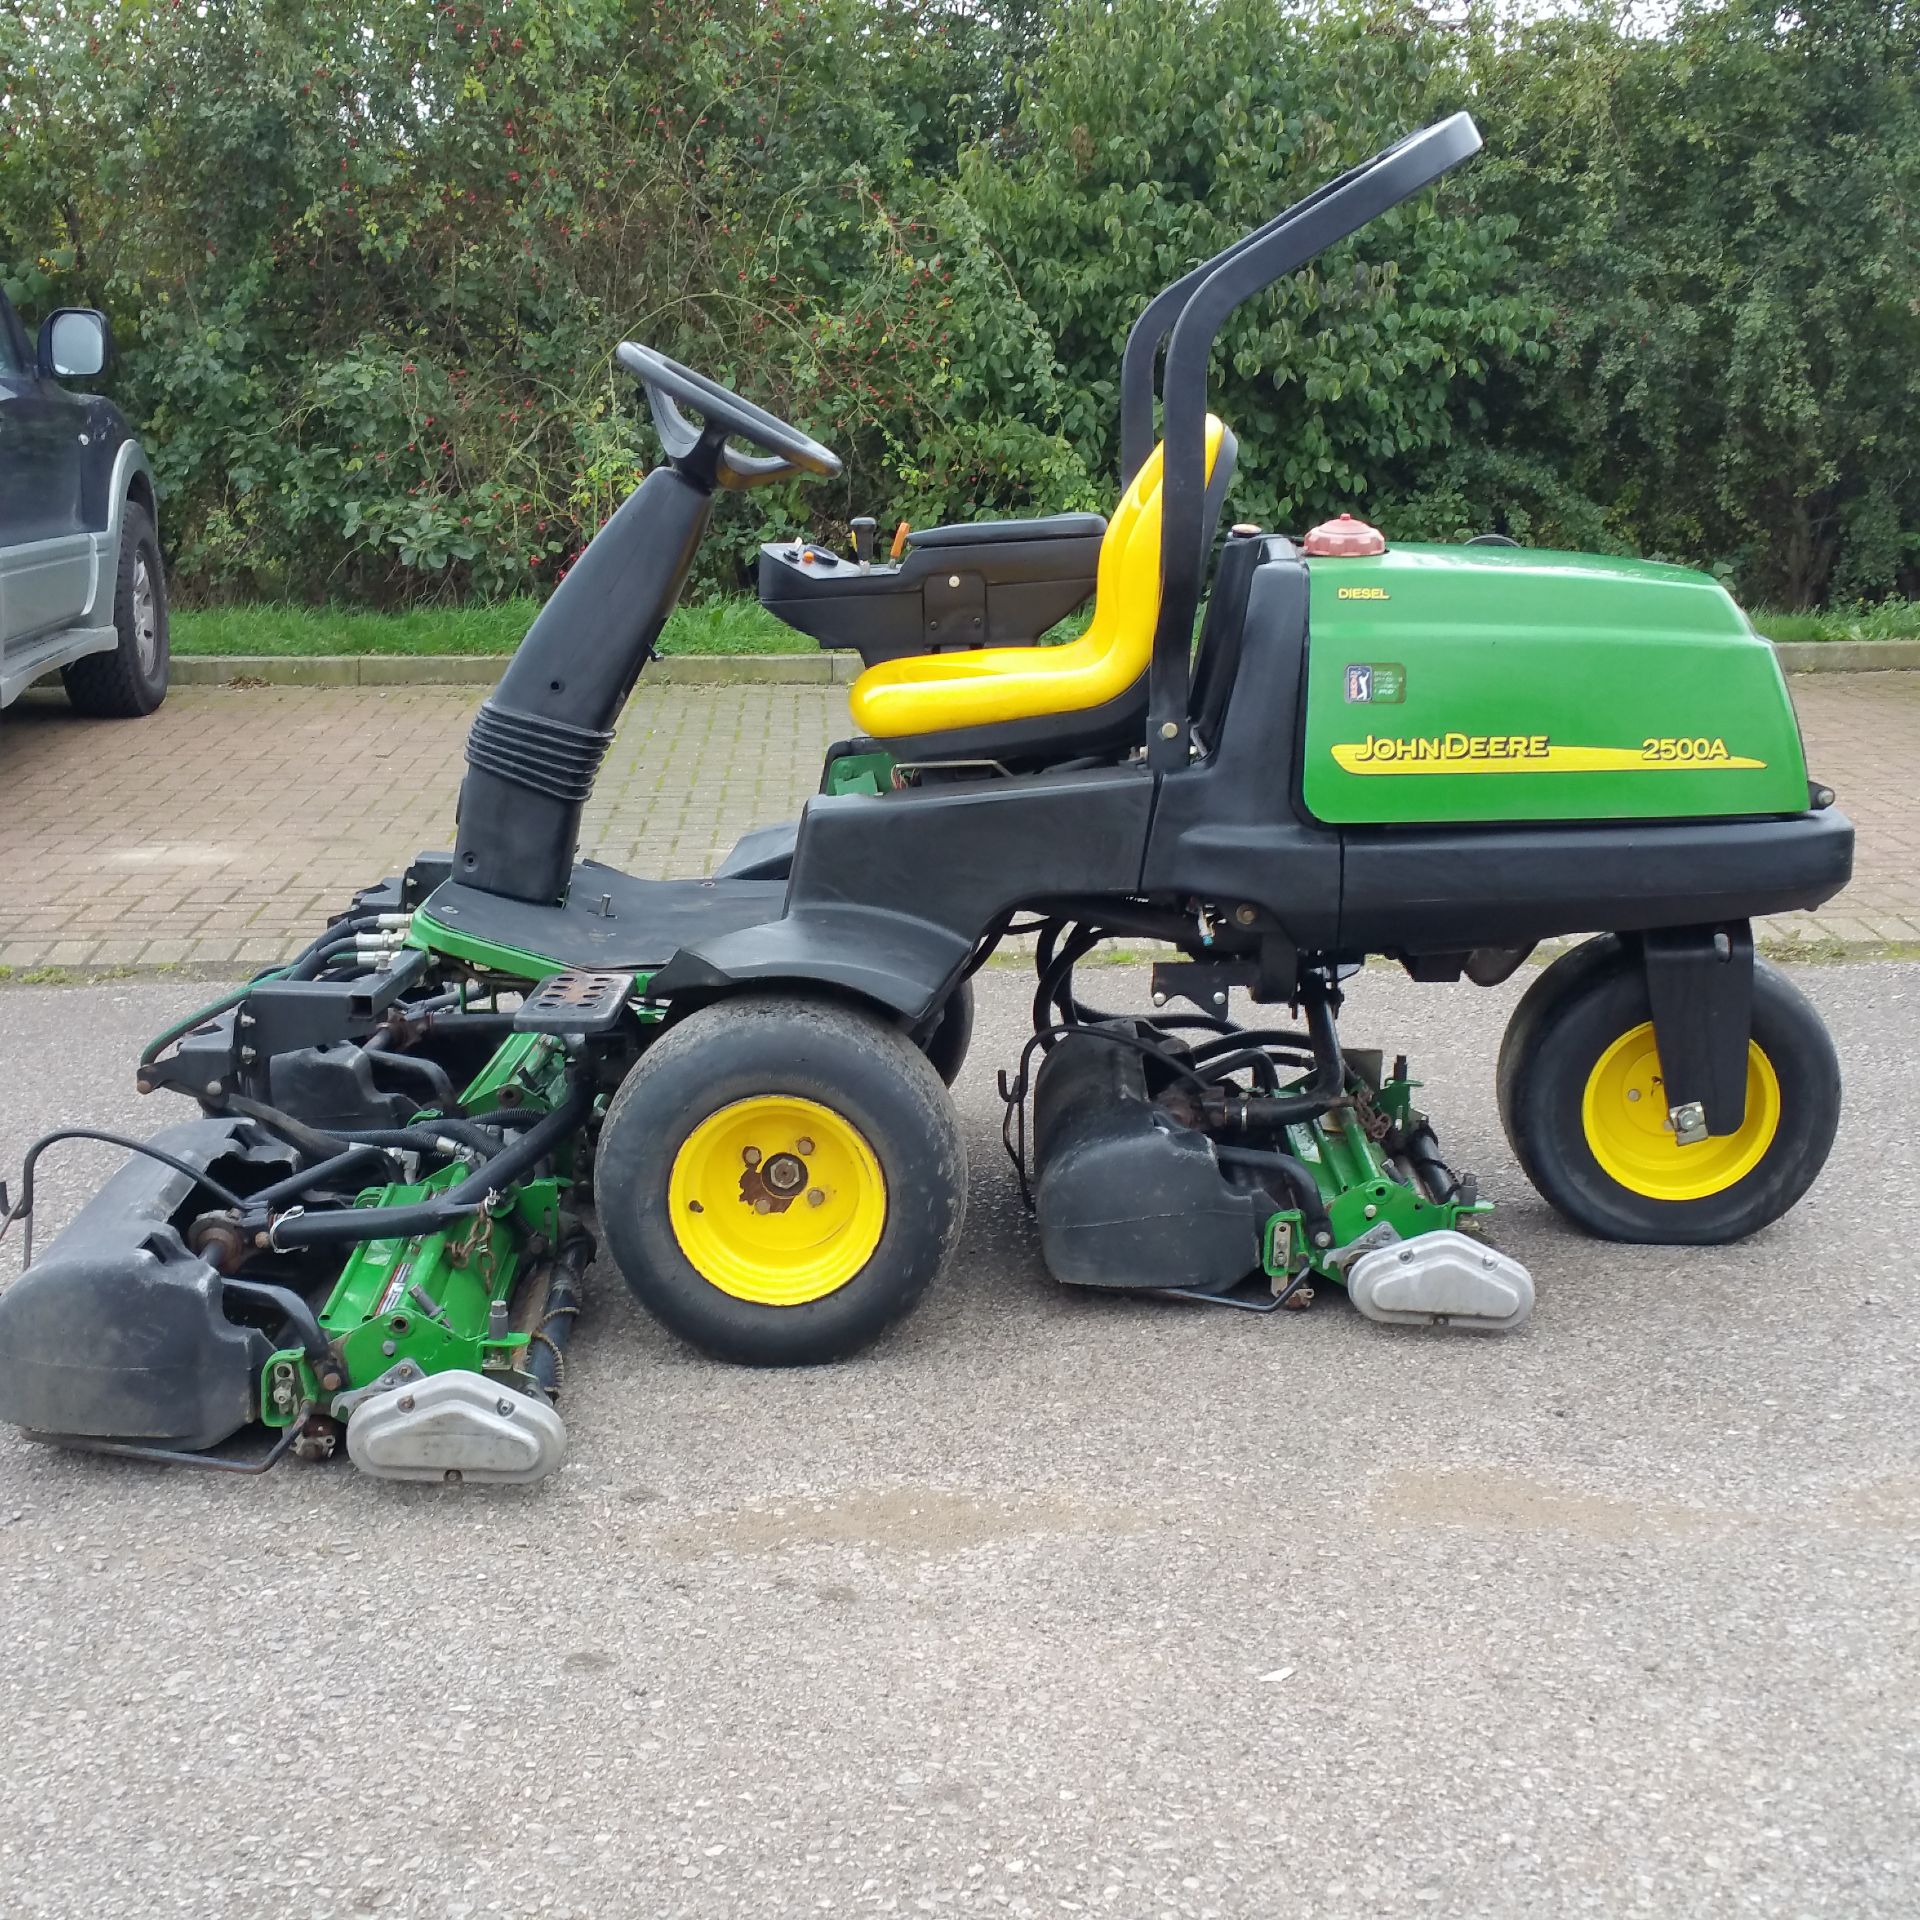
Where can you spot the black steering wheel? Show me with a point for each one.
(701, 452)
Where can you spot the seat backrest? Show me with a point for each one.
(1126, 595)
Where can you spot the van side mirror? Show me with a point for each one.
(75, 344)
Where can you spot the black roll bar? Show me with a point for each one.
(1149, 333)
(1192, 311)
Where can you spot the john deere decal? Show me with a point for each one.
(1525, 753)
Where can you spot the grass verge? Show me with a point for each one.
(735, 625)
(1891, 620)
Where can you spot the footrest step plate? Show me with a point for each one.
(575, 1001)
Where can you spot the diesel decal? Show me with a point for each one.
(1529, 753)
(1363, 593)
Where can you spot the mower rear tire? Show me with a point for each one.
(780, 1179)
(1584, 1110)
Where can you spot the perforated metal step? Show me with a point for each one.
(575, 1001)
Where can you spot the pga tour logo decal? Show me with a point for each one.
(1376, 683)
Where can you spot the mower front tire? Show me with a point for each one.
(780, 1179)
(1585, 1111)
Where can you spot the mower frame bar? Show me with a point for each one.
(1325, 217)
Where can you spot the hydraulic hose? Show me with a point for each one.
(313, 963)
(1328, 1085)
(1299, 1180)
(377, 1143)
(289, 1305)
(464, 1026)
(1268, 1039)
(305, 1181)
(1329, 1081)
(423, 1135)
(354, 1224)
(168, 1035)
(1264, 1071)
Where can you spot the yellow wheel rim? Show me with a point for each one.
(1624, 1111)
(777, 1200)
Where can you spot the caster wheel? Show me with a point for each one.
(952, 1034)
(780, 1179)
(1586, 1114)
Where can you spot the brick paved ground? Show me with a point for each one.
(222, 829)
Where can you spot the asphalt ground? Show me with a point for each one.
(1053, 1603)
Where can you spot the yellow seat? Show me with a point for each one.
(992, 686)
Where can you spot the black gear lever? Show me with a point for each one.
(864, 529)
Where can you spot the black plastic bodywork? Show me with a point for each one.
(610, 919)
(1124, 1196)
(998, 583)
(889, 893)
(119, 1330)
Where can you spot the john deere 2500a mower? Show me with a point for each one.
(375, 1225)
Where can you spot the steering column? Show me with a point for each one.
(535, 747)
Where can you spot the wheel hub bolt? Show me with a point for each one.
(751, 1156)
(803, 1146)
(784, 1173)
(816, 1196)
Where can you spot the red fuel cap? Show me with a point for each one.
(1343, 538)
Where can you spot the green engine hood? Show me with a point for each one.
(1508, 684)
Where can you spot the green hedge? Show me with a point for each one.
(367, 263)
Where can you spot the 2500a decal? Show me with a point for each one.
(1529, 753)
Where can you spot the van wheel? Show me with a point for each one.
(780, 1179)
(132, 679)
(1585, 1109)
